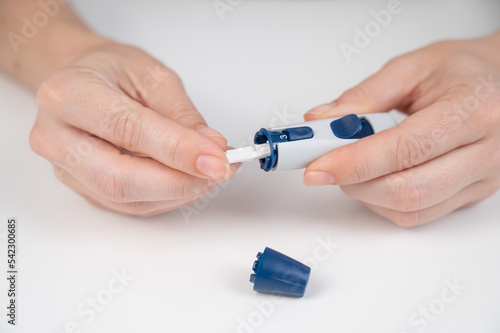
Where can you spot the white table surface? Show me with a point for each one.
(266, 63)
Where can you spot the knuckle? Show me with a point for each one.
(36, 139)
(396, 62)
(407, 194)
(182, 190)
(193, 192)
(443, 48)
(412, 150)
(51, 94)
(354, 170)
(463, 108)
(126, 128)
(404, 62)
(406, 65)
(407, 219)
(358, 93)
(172, 75)
(173, 147)
(185, 113)
(111, 185)
(358, 172)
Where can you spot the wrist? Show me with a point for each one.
(31, 52)
(65, 44)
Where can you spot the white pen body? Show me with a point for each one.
(297, 154)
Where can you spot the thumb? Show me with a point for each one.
(387, 89)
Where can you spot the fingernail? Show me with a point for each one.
(322, 108)
(213, 167)
(318, 178)
(218, 138)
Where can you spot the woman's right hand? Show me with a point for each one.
(118, 96)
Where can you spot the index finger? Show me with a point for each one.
(124, 122)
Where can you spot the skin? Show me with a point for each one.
(100, 100)
(444, 156)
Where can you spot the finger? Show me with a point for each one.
(126, 123)
(139, 208)
(421, 137)
(161, 90)
(118, 177)
(468, 196)
(215, 136)
(426, 185)
(387, 89)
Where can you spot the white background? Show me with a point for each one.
(265, 59)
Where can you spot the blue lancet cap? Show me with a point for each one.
(278, 274)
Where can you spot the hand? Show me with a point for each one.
(444, 156)
(114, 97)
